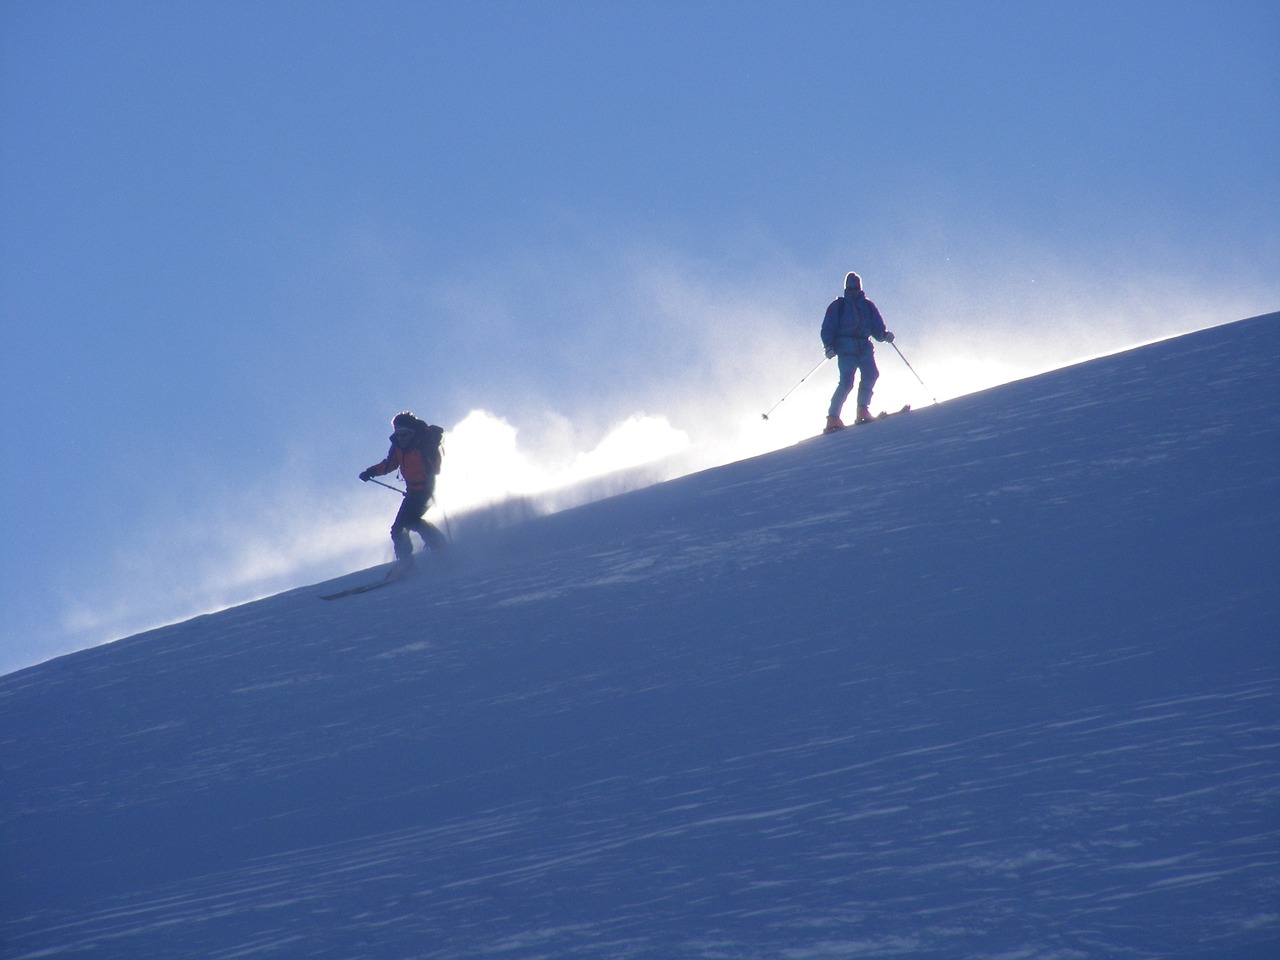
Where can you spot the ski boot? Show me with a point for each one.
(833, 424)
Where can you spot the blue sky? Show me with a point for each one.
(235, 238)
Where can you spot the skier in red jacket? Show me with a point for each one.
(415, 452)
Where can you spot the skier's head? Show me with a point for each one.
(404, 424)
(852, 283)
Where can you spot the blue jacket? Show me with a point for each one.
(849, 323)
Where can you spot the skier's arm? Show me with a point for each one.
(829, 329)
(877, 324)
(381, 469)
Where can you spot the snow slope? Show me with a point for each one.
(998, 678)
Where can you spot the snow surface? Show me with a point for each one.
(998, 678)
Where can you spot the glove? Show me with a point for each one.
(365, 475)
(888, 336)
(830, 352)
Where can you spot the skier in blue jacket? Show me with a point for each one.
(847, 329)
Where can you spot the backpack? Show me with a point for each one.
(429, 441)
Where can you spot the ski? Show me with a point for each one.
(884, 413)
(401, 571)
(363, 588)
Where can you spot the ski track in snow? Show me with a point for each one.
(996, 679)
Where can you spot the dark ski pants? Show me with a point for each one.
(410, 517)
(861, 361)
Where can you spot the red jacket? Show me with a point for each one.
(416, 466)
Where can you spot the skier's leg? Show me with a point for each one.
(869, 375)
(415, 508)
(407, 518)
(432, 538)
(401, 543)
(848, 365)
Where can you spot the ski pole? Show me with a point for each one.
(389, 486)
(912, 369)
(765, 416)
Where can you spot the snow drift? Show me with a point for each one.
(997, 678)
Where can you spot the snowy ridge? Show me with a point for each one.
(998, 678)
